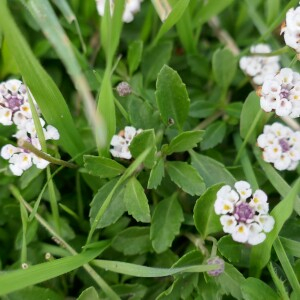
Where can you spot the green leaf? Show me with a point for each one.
(136, 201)
(15, 280)
(145, 139)
(186, 177)
(211, 8)
(157, 173)
(214, 135)
(205, 218)
(115, 209)
(166, 222)
(172, 97)
(134, 55)
(211, 170)
(174, 16)
(250, 111)
(41, 85)
(34, 292)
(291, 247)
(202, 109)
(230, 281)
(261, 253)
(133, 241)
(224, 65)
(185, 141)
(102, 167)
(253, 288)
(89, 294)
(234, 252)
(154, 58)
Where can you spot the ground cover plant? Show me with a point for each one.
(149, 149)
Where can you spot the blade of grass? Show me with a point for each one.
(43, 88)
(24, 219)
(143, 271)
(286, 265)
(260, 254)
(101, 246)
(44, 14)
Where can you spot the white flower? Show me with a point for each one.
(280, 145)
(281, 94)
(260, 67)
(292, 29)
(122, 141)
(131, 8)
(246, 219)
(8, 151)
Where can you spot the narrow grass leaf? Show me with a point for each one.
(171, 96)
(102, 167)
(179, 172)
(205, 218)
(14, 280)
(261, 253)
(185, 141)
(291, 247)
(44, 90)
(174, 16)
(136, 201)
(143, 271)
(166, 222)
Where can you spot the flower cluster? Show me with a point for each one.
(291, 29)
(121, 142)
(15, 109)
(259, 67)
(131, 8)
(281, 93)
(244, 215)
(281, 146)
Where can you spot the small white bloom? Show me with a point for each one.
(281, 93)
(8, 151)
(292, 29)
(5, 116)
(40, 162)
(281, 146)
(223, 206)
(228, 223)
(256, 236)
(51, 133)
(243, 188)
(240, 233)
(266, 222)
(260, 67)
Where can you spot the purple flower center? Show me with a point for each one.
(284, 145)
(14, 103)
(284, 93)
(243, 212)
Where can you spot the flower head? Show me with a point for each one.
(281, 146)
(291, 29)
(216, 261)
(246, 217)
(131, 8)
(259, 67)
(122, 141)
(281, 93)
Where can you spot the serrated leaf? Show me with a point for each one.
(230, 281)
(142, 141)
(166, 222)
(115, 209)
(185, 141)
(224, 65)
(102, 167)
(186, 177)
(172, 97)
(214, 135)
(136, 201)
(211, 170)
(253, 288)
(156, 175)
(133, 240)
(205, 218)
(134, 55)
